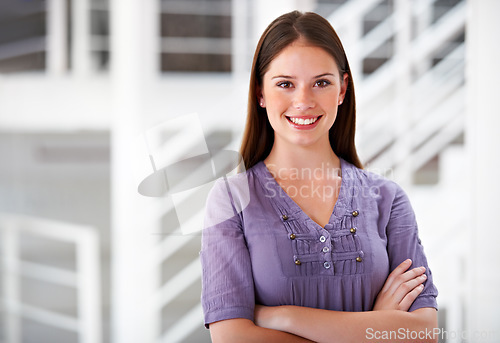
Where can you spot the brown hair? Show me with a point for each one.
(258, 137)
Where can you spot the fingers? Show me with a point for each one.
(405, 304)
(399, 270)
(410, 289)
(404, 278)
(401, 281)
(407, 286)
(401, 288)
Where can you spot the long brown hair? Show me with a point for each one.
(258, 137)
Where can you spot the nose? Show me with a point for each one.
(303, 99)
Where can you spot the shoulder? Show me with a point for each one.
(371, 187)
(372, 179)
(237, 186)
(229, 196)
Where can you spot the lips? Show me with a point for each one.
(303, 121)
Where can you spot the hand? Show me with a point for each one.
(401, 288)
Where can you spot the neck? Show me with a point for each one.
(286, 157)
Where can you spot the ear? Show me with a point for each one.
(343, 88)
(260, 97)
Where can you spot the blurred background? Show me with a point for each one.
(95, 95)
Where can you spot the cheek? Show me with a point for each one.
(276, 101)
(329, 101)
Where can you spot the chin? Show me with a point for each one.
(305, 143)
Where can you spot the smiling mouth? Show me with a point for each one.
(302, 121)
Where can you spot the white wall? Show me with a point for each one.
(483, 142)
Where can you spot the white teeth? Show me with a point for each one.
(300, 121)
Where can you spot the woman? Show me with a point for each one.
(305, 245)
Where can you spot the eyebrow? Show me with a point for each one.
(292, 77)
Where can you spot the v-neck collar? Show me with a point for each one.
(273, 190)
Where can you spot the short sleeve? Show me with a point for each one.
(404, 242)
(227, 282)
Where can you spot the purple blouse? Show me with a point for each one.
(258, 246)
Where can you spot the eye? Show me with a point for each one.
(322, 83)
(284, 84)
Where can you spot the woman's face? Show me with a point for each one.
(301, 92)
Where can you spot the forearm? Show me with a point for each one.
(245, 331)
(382, 326)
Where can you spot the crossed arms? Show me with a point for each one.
(304, 324)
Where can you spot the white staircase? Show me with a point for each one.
(410, 89)
(19, 267)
